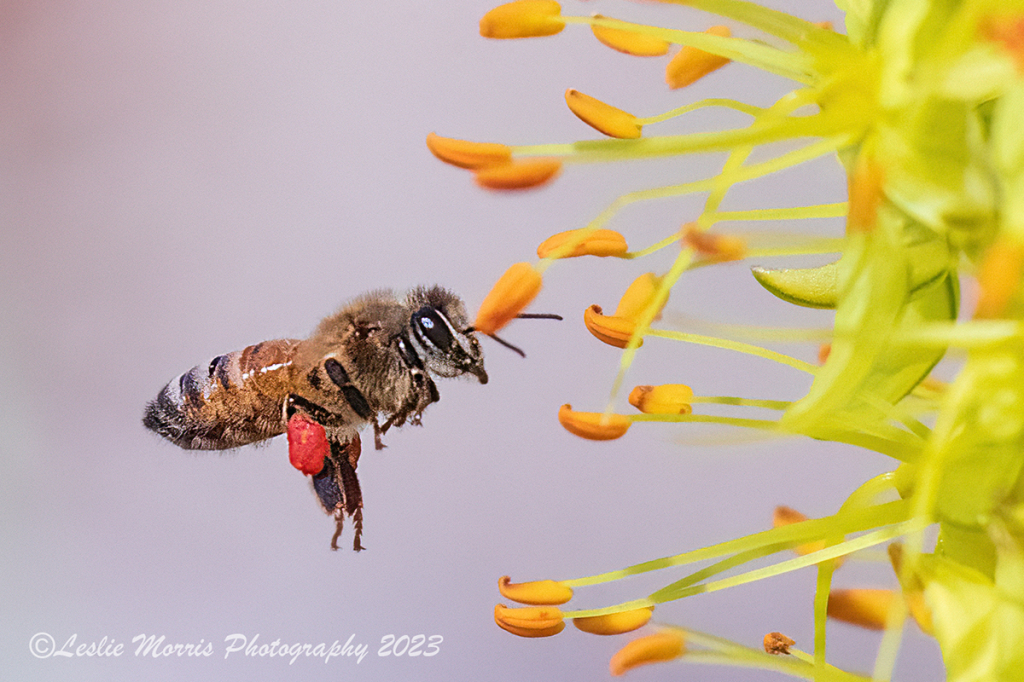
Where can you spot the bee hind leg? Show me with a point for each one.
(339, 524)
(346, 458)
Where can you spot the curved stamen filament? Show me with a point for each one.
(844, 523)
(737, 346)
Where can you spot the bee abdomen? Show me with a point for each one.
(233, 400)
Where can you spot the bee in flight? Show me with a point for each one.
(373, 362)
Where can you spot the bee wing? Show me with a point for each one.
(337, 486)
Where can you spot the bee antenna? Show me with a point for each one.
(524, 316)
(539, 316)
(508, 345)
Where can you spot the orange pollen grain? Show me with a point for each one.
(690, 64)
(536, 592)
(630, 42)
(515, 174)
(602, 117)
(615, 623)
(466, 154)
(777, 643)
(593, 425)
(523, 19)
(656, 648)
(588, 243)
(513, 291)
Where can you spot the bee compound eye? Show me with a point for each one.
(431, 327)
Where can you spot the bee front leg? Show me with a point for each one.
(378, 433)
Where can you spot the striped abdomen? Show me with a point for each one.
(233, 400)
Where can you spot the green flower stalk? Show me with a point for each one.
(922, 102)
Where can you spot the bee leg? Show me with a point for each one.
(325, 485)
(339, 523)
(378, 433)
(346, 458)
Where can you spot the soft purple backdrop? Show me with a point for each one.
(181, 179)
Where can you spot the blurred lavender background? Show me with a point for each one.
(182, 179)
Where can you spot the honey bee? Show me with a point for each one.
(373, 362)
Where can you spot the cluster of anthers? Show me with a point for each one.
(922, 103)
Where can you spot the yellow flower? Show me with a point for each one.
(921, 102)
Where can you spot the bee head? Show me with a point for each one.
(442, 332)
